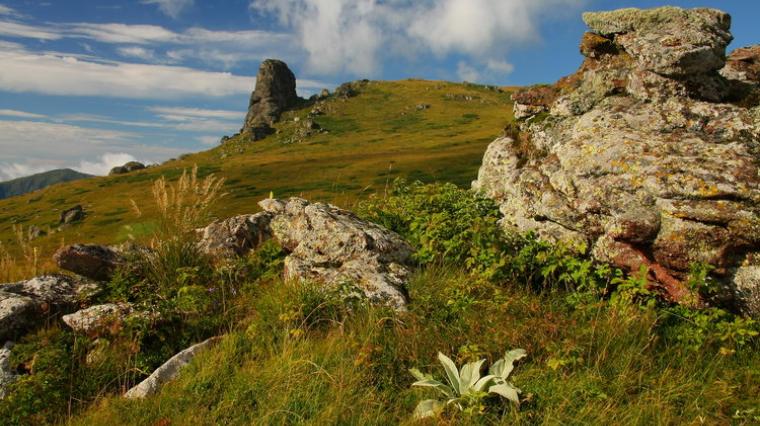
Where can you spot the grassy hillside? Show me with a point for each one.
(37, 181)
(371, 139)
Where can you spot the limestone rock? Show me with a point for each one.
(332, 245)
(97, 318)
(27, 304)
(236, 235)
(7, 376)
(74, 214)
(89, 260)
(638, 159)
(274, 93)
(126, 168)
(168, 371)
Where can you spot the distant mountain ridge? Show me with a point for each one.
(37, 181)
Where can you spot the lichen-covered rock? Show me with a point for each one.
(129, 167)
(89, 260)
(275, 92)
(632, 162)
(97, 318)
(332, 245)
(236, 235)
(72, 215)
(743, 64)
(168, 371)
(7, 375)
(27, 304)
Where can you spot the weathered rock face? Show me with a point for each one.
(126, 168)
(168, 371)
(236, 235)
(634, 157)
(274, 93)
(28, 304)
(89, 260)
(331, 245)
(74, 214)
(7, 376)
(96, 319)
(743, 64)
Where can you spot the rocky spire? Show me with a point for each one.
(275, 92)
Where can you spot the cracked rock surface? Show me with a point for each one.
(645, 156)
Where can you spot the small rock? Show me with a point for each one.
(324, 94)
(422, 107)
(35, 232)
(126, 168)
(72, 215)
(97, 318)
(89, 260)
(168, 371)
(7, 375)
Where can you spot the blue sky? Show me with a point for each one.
(91, 84)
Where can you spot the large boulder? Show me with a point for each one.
(168, 371)
(236, 235)
(28, 304)
(274, 93)
(72, 215)
(331, 245)
(89, 260)
(637, 156)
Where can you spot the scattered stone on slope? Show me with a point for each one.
(89, 260)
(74, 214)
(634, 157)
(129, 167)
(275, 92)
(236, 235)
(168, 371)
(332, 245)
(7, 375)
(96, 319)
(28, 304)
(35, 232)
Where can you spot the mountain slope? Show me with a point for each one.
(37, 181)
(425, 130)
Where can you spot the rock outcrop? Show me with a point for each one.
(129, 167)
(275, 92)
(72, 215)
(639, 156)
(331, 245)
(96, 319)
(236, 235)
(89, 260)
(7, 375)
(168, 371)
(28, 304)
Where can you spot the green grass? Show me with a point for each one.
(596, 365)
(367, 135)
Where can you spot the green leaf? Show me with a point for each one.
(428, 408)
(418, 374)
(451, 372)
(432, 383)
(503, 367)
(469, 374)
(507, 391)
(483, 383)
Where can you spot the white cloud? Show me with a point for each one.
(172, 8)
(28, 147)
(5, 10)
(467, 73)
(137, 52)
(358, 35)
(19, 114)
(15, 29)
(183, 114)
(105, 163)
(58, 74)
(118, 33)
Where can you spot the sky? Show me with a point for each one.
(91, 84)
